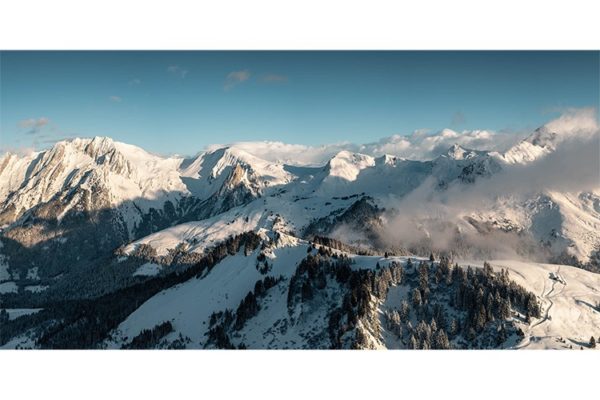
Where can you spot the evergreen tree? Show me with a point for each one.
(425, 295)
(449, 276)
(416, 298)
(471, 334)
(423, 276)
(505, 308)
(489, 307)
(433, 325)
(480, 318)
(501, 338)
(453, 327)
(592, 343)
(440, 340)
(413, 343)
(487, 268)
(444, 266)
(307, 292)
(439, 275)
(404, 310)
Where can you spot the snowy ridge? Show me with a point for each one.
(568, 227)
(121, 172)
(568, 298)
(209, 171)
(202, 234)
(99, 173)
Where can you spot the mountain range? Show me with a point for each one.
(184, 241)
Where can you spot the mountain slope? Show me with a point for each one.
(194, 309)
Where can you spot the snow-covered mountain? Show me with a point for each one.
(90, 217)
(228, 167)
(86, 175)
(566, 295)
(146, 192)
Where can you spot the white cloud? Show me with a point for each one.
(583, 121)
(33, 125)
(177, 71)
(293, 154)
(235, 78)
(395, 144)
(115, 99)
(135, 82)
(419, 145)
(427, 146)
(432, 215)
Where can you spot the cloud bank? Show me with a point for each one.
(420, 144)
(576, 122)
(431, 217)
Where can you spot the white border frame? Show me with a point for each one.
(305, 25)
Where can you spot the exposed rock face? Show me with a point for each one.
(362, 218)
(463, 165)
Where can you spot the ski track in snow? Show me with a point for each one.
(566, 304)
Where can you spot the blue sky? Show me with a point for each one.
(179, 102)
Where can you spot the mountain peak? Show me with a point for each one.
(350, 157)
(457, 152)
(347, 165)
(541, 142)
(386, 159)
(543, 137)
(343, 154)
(82, 142)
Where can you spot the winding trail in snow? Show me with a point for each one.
(547, 298)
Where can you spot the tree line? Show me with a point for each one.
(222, 323)
(85, 323)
